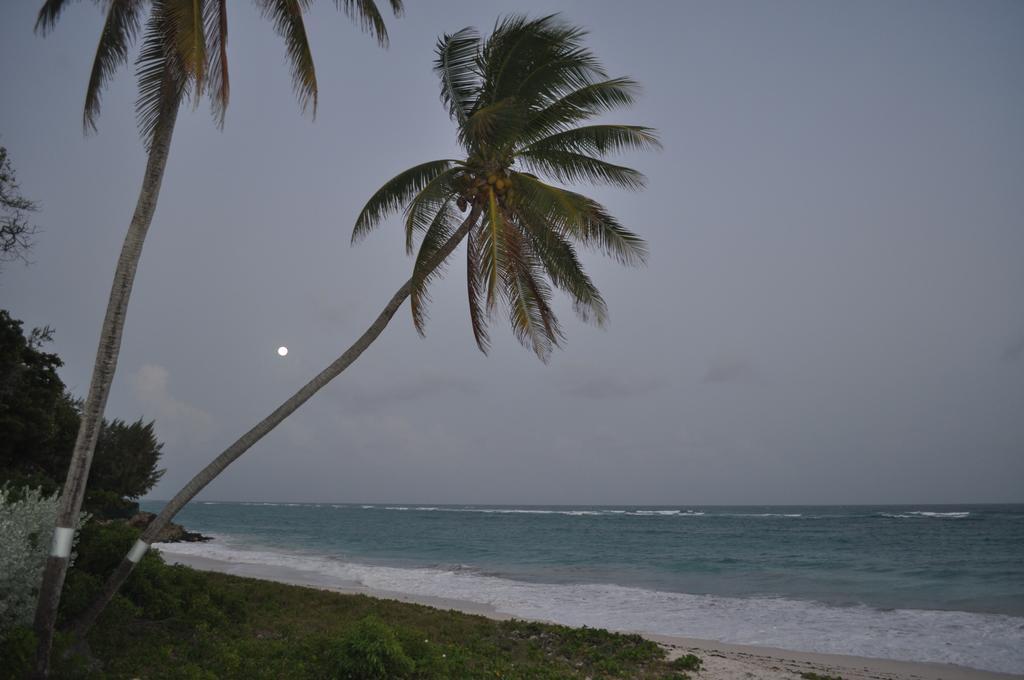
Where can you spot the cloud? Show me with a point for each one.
(730, 370)
(374, 399)
(177, 421)
(590, 383)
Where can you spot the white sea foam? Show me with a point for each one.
(764, 514)
(985, 641)
(918, 514)
(538, 511)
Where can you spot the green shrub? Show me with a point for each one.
(687, 662)
(109, 505)
(27, 518)
(102, 546)
(371, 651)
(17, 648)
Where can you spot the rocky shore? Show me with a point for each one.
(172, 533)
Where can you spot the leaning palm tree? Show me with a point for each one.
(183, 57)
(517, 100)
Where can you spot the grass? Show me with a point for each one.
(281, 631)
(176, 622)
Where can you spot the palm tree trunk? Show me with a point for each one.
(99, 388)
(85, 622)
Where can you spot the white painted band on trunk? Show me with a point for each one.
(137, 551)
(63, 537)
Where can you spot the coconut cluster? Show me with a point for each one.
(477, 188)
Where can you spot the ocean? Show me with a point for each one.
(918, 583)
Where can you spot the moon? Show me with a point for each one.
(282, 351)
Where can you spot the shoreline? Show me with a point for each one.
(722, 661)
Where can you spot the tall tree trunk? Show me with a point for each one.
(99, 387)
(85, 622)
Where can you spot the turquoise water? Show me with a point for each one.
(942, 583)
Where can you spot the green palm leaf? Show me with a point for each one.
(598, 140)
(455, 65)
(369, 17)
(533, 59)
(575, 168)
(217, 32)
(576, 216)
(119, 29)
(527, 295)
(563, 266)
(163, 81)
(579, 105)
(419, 216)
(436, 234)
(286, 15)
(48, 15)
(396, 193)
(475, 291)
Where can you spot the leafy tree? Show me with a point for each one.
(38, 422)
(125, 466)
(30, 397)
(16, 231)
(183, 57)
(517, 100)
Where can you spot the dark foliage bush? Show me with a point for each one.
(371, 651)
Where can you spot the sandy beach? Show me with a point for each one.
(722, 661)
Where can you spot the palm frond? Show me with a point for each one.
(119, 30)
(455, 65)
(396, 193)
(190, 41)
(162, 80)
(369, 16)
(493, 259)
(286, 15)
(562, 74)
(527, 295)
(599, 140)
(563, 266)
(437, 233)
(493, 125)
(216, 19)
(582, 219)
(475, 291)
(579, 105)
(48, 15)
(573, 168)
(420, 215)
(534, 59)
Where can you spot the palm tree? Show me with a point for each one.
(516, 99)
(183, 57)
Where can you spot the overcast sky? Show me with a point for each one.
(832, 312)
